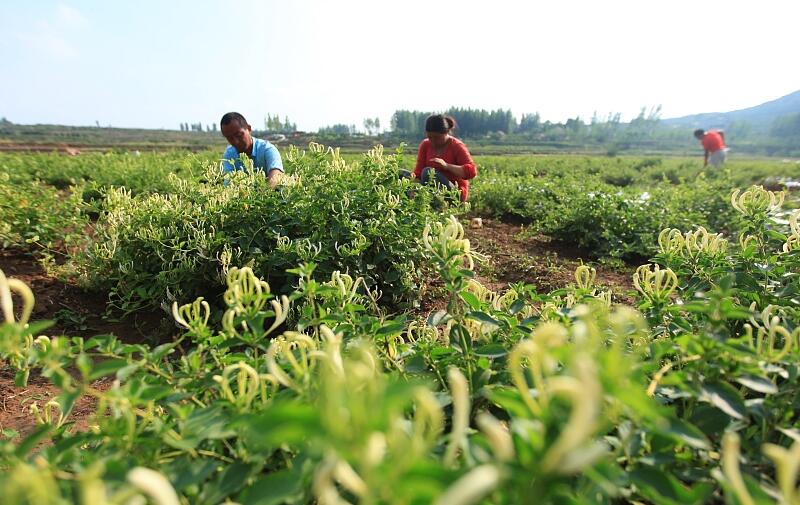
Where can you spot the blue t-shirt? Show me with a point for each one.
(265, 158)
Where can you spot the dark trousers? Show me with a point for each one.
(430, 175)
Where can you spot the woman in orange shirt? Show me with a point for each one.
(443, 158)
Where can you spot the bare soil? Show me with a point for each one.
(76, 312)
(514, 258)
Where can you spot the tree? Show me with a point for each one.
(530, 123)
(372, 126)
(787, 127)
(338, 129)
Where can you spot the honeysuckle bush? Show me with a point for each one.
(726, 312)
(514, 397)
(35, 217)
(355, 217)
(334, 409)
(612, 207)
(94, 173)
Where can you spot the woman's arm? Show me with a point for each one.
(464, 167)
(422, 155)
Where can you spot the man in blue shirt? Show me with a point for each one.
(264, 155)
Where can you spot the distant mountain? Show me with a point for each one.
(760, 116)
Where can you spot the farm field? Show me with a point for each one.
(586, 330)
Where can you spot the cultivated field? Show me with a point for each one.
(586, 330)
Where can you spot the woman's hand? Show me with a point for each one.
(438, 163)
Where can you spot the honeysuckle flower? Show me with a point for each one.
(192, 316)
(7, 286)
(585, 394)
(730, 468)
(376, 448)
(670, 241)
(793, 222)
(459, 390)
(283, 347)
(787, 466)
(757, 200)
(449, 242)
(248, 384)
(654, 283)
(585, 277)
(701, 241)
(428, 419)
(471, 487)
(498, 436)
(245, 292)
(154, 485)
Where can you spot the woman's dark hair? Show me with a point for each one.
(699, 132)
(439, 123)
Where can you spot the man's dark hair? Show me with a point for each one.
(699, 132)
(229, 117)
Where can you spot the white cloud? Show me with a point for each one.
(70, 17)
(53, 36)
(46, 41)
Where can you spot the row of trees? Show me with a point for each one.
(471, 122)
(198, 127)
(272, 124)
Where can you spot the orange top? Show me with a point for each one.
(456, 153)
(712, 141)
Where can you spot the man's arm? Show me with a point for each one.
(705, 159)
(274, 166)
(274, 177)
(229, 158)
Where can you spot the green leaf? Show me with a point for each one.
(662, 488)
(273, 489)
(230, 481)
(470, 299)
(687, 433)
(724, 397)
(21, 378)
(126, 371)
(288, 422)
(491, 351)
(438, 317)
(208, 423)
(484, 318)
(107, 368)
(759, 384)
(66, 400)
(390, 328)
(32, 440)
(186, 472)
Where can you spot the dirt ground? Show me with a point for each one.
(511, 259)
(76, 312)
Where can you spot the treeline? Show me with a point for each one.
(787, 127)
(471, 122)
(500, 122)
(272, 124)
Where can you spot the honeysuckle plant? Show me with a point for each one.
(322, 395)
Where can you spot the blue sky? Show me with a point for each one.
(155, 64)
